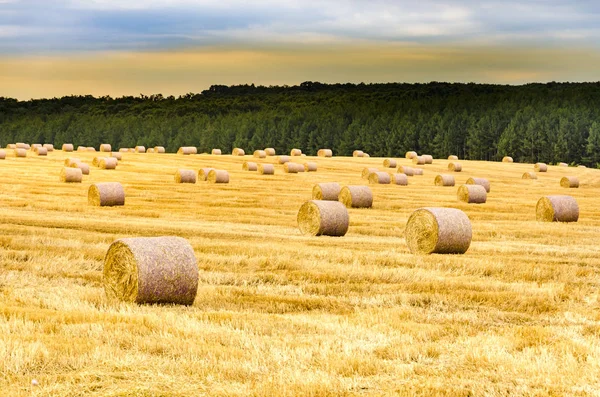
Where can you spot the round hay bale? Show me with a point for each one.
(49, 147)
(187, 150)
(108, 163)
(438, 231)
(529, 175)
(2, 155)
(323, 218)
(356, 197)
(148, 270)
(139, 149)
(382, 178)
(159, 149)
(259, 154)
(41, 151)
(150, 150)
(203, 173)
(296, 152)
(266, 169)
(444, 180)
(455, 167)
(124, 150)
(216, 152)
(399, 179)
(480, 181)
(270, 151)
(507, 159)
(569, 182)
(106, 147)
(249, 166)
(96, 161)
(90, 149)
(452, 157)
(368, 171)
(71, 175)
(325, 153)
(283, 159)
(326, 191)
(293, 168)
(218, 176)
(358, 153)
(21, 145)
(472, 194)
(540, 167)
(238, 152)
(418, 171)
(410, 155)
(85, 168)
(428, 158)
(34, 146)
(390, 163)
(310, 167)
(563, 164)
(11, 146)
(67, 147)
(408, 171)
(557, 209)
(20, 152)
(81, 148)
(106, 194)
(418, 160)
(117, 155)
(185, 176)
(70, 161)
(131, 150)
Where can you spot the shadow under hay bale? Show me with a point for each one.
(71, 175)
(323, 218)
(266, 169)
(356, 197)
(444, 180)
(557, 209)
(480, 181)
(438, 231)
(326, 191)
(472, 194)
(382, 178)
(185, 176)
(569, 182)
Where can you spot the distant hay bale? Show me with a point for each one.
(106, 194)
(563, 164)
(325, 153)
(557, 209)
(410, 155)
(108, 163)
(150, 270)
(323, 218)
(41, 151)
(452, 157)
(418, 160)
(399, 179)
(96, 160)
(90, 149)
(238, 152)
(35, 146)
(11, 146)
(507, 159)
(569, 182)
(2, 155)
(266, 169)
(326, 191)
(390, 163)
(85, 168)
(81, 148)
(140, 149)
(293, 168)
(159, 149)
(296, 152)
(283, 159)
(49, 147)
(117, 155)
(358, 153)
(480, 181)
(438, 231)
(455, 167)
(150, 150)
(368, 171)
(20, 152)
(408, 171)
(216, 152)
(270, 151)
(259, 154)
(581, 166)
(428, 158)
(185, 176)
(540, 167)
(444, 180)
(382, 178)
(70, 161)
(310, 167)
(472, 194)
(418, 171)
(218, 176)
(67, 147)
(124, 150)
(106, 147)
(356, 197)
(21, 145)
(187, 150)
(203, 173)
(71, 175)
(249, 166)
(529, 175)
(366, 155)
(131, 150)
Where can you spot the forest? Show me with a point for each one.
(552, 122)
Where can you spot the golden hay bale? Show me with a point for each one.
(563, 164)
(108, 163)
(507, 159)
(150, 150)
(366, 155)
(356, 197)
(11, 146)
(187, 150)
(249, 166)
(81, 148)
(382, 178)
(310, 167)
(270, 151)
(438, 231)
(358, 153)
(67, 147)
(21, 145)
(569, 182)
(259, 154)
(399, 179)
(85, 168)
(139, 149)
(452, 157)
(185, 176)
(49, 147)
(147, 270)
(418, 160)
(90, 149)
(106, 194)
(218, 176)
(96, 160)
(41, 151)
(266, 169)
(131, 150)
(216, 152)
(69, 161)
(418, 171)
(557, 209)
(428, 158)
(293, 168)
(283, 159)
(325, 153)
(456, 167)
(368, 171)
(540, 167)
(529, 175)
(480, 181)
(326, 191)
(390, 163)
(117, 155)
(105, 147)
(323, 218)
(159, 149)
(238, 152)
(411, 155)
(123, 150)
(71, 175)
(20, 152)
(444, 180)
(203, 173)
(296, 152)
(2, 155)
(408, 171)
(473, 194)
(34, 146)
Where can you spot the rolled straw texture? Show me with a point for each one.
(296, 152)
(67, 147)
(203, 173)
(323, 218)
(185, 176)
(283, 159)
(428, 158)
(218, 176)
(382, 178)
(41, 151)
(266, 169)
(444, 180)
(20, 152)
(49, 147)
(108, 163)
(259, 154)
(557, 209)
(438, 231)
(368, 171)
(410, 155)
(480, 181)
(390, 163)
(140, 149)
(69, 161)
(34, 146)
(529, 175)
(159, 149)
(117, 155)
(356, 197)
(21, 145)
(452, 157)
(408, 171)
(507, 159)
(569, 182)
(105, 147)
(418, 160)
(358, 153)
(238, 152)
(399, 179)
(81, 148)
(325, 153)
(326, 191)
(270, 151)
(540, 167)
(418, 171)
(216, 152)
(293, 168)
(148, 270)
(11, 146)
(85, 168)
(455, 167)
(71, 175)
(187, 150)
(249, 166)
(310, 167)
(106, 194)
(96, 160)
(472, 194)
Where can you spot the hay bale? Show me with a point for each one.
(11, 146)
(410, 155)
(185, 176)
(259, 154)
(85, 168)
(150, 150)
(438, 231)
(106, 194)
(266, 169)
(215, 152)
(96, 160)
(408, 171)
(283, 159)
(358, 153)
(444, 180)
(296, 152)
(2, 155)
(218, 176)
(131, 150)
(203, 173)
(472, 194)
(529, 175)
(293, 168)
(310, 167)
(418, 160)
(390, 163)
(139, 149)
(70, 161)
(326, 191)
(147, 270)
(106, 147)
(187, 150)
(123, 150)
(366, 155)
(67, 147)
(249, 166)
(481, 182)
(368, 171)
(323, 218)
(238, 152)
(418, 171)
(21, 152)
(81, 148)
(428, 158)
(563, 164)
(382, 178)
(507, 159)
(35, 146)
(557, 209)
(90, 149)
(325, 153)
(71, 175)
(270, 151)
(399, 179)
(159, 149)
(108, 163)
(452, 157)
(455, 167)
(569, 182)
(540, 167)
(21, 145)
(117, 155)
(356, 197)
(41, 151)
(49, 147)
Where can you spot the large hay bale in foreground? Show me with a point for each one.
(249, 166)
(20, 152)
(438, 231)
(382, 178)
(408, 171)
(117, 155)
(67, 147)
(417, 171)
(139, 149)
(325, 153)
(358, 153)
(151, 270)
(310, 167)
(40, 151)
(106, 194)
(218, 176)
(454, 167)
(108, 163)
(480, 181)
(49, 147)
(106, 147)
(270, 151)
(295, 152)
(452, 157)
(326, 191)
(569, 182)
(266, 169)
(507, 159)
(368, 171)
(410, 155)
(444, 180)
(418, 160)
(2, 155)
(390, 163)
(399, 179)
(472, 194)
(159, 149)
(529, 175)
(563, 164)
(356, 197)
(283, 159)
(323, 218)
(238, 152)
(71, 175)
(557, 209)
(259, 154)
(540, 167)
(185, 176)
(187, 150)
(293, 168)
(428, 158)
(203, 173)
(216, 152)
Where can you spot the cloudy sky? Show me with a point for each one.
(109, 47)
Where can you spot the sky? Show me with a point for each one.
(109, 47)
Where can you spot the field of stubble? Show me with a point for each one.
(278, 313)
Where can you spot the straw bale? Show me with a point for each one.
(203, 173)
(326, 191)
(581, 166)
(563, 164)
(106, 147)
(150, 150)
(358, 153)
(296, 152)
(408, 171)
(81, 148)
(238, 152)
(11, 146)
(41, 151)
(249, 166)
(90, 149)
(106, 194)
(124, 150)
(71, 175)
(216, 152)
(452, 157)
(356, 197)
(266, 169)
(218, 176)
(428, 158)
(382, 178)
(456, 167)
(472, 194)
(159, 149)
(418, 160)
(390, 163)
(507, 159)
(283, 159)
(85, 168)
(444, 180)
(139, 149)
(67, 147)
(35, 146)
(529, 175)
(438, 231)
(21, 145)
(325, 153)
(2, 154)
(108, 163)
(49, 147)
(569, 182)
(399, 179)
(96, 160)
(417, 171)
(293, 168)
(310, 167)
(20, 152)
(270, 151)
(185, 176)
(323, 218)
(480, 181)
(557, 209)
(259, 154)
(410, 155)
(69, 161)
(117, 155)
(187, 150)
(366, 155)
(131, 150)
(540, 167)
(368, 171)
